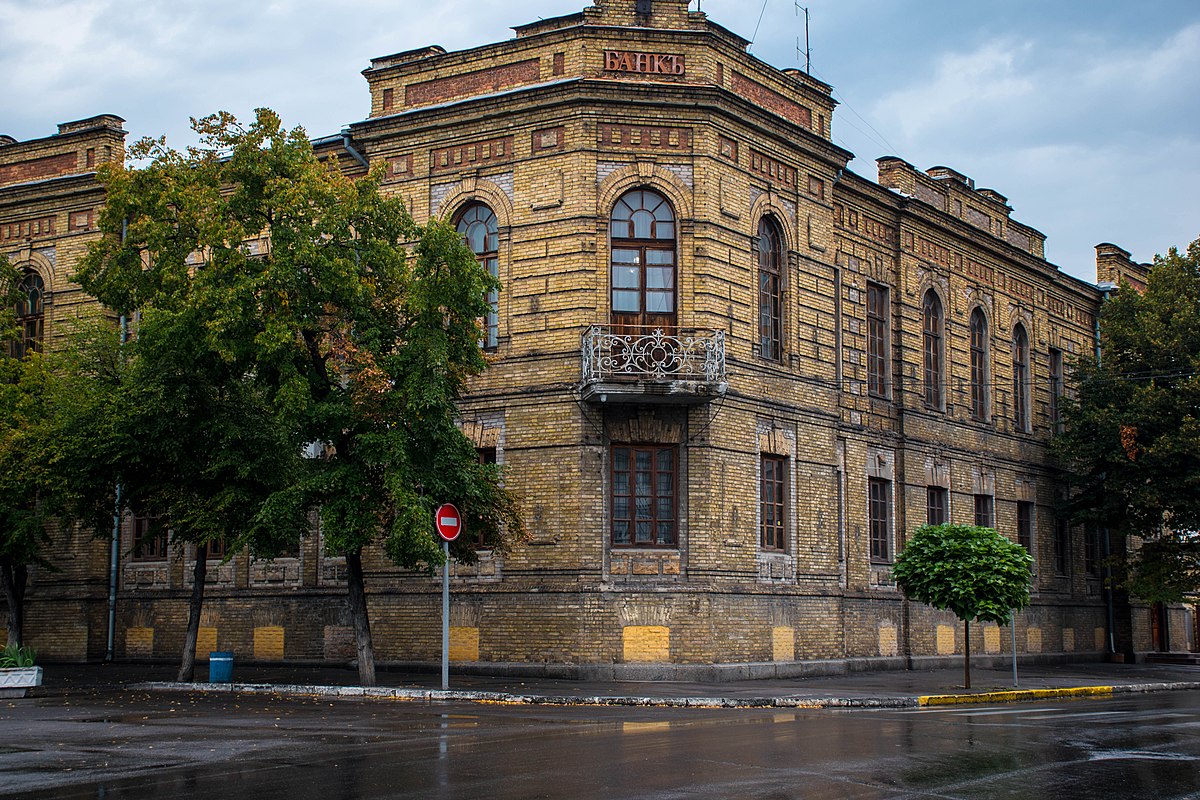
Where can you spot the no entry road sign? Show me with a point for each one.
(448, 521)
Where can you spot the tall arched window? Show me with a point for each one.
(770, 289)
(30, 316)
(1020, 361)
(642, 231)
(478, 227)
(979, 366)
(932, 327)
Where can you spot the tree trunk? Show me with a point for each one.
(187, 663)
(966, 654)
(358, 613)
(13, 576)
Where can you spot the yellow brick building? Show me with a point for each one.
(729, 374)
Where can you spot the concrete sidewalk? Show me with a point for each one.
(889, 689)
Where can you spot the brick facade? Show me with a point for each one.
(551, 130)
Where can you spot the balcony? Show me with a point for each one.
(624, 365)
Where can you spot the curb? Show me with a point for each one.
(507, 698)
(1025, 695)
(1013, 696)
(782, 701)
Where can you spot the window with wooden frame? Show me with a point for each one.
(1025, 525)
(30, 314)
(1091, 551)
(217, 549)
(985, 511)
(937, 505)
(478, 226)
(1020, 366)
(979, 366)
(1056, 389)
(931, 338)
(878, 380)
(772, 484)
(149, 539)
(770, 289)
(486, 455)
(643, 483)
(879, 518)
(642, 231)
(1062, 545)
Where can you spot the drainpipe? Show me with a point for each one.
(1111, 617)
(357, 156)
(114, 552)
(115, 547)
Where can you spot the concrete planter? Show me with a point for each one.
(15, 680)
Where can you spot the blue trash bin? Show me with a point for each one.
(220, 667)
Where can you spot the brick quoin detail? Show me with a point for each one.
(774, 171)
(38, 168)
(481, 82)
(401, 167)
(546, 140)
(39, 228)
(643, 137)
(771, 100)
(490, 151)
(728, 148)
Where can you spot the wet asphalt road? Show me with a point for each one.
(139, 745)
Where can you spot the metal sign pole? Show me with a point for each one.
(1012, 620)
(446, 616)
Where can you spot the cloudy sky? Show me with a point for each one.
(1084, 113)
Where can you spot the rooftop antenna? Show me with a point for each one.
(807, 49)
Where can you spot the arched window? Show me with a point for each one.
(1020, 360)
(30, 316)
(477, 225)
(979, 366)
(642, 230)
(932, 328)
(770, 289)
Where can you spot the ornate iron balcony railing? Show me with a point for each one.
(682, 355)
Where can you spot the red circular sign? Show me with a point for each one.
(448, 521)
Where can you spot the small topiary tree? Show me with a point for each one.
(974, 572)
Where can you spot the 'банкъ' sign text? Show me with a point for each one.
(646, 63)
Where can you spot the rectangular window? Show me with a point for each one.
(772, 483)
(937, 505)
(486, 455)
(879, 514)
(492, 323)
(877, 350)
(985, 511)
(1056, 389)
(643, 496)
(1062, 545)
(149, 540)
(217, 549)
(1025, 525)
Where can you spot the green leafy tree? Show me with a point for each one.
(197, 442)
(54, 435)
(31, 492)
(1131, 438)
(284, 291)
(26, 485)
(973, 572)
